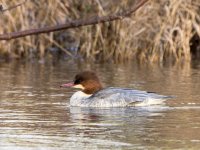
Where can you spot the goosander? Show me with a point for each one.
(92, 94)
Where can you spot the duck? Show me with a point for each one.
(91, 93)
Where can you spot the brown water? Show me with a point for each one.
(35, 112)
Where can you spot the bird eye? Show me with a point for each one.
(77, 81)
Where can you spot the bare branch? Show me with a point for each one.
(72, 24)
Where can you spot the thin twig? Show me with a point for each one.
(2, 10)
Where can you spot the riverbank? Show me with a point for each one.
(159, 31)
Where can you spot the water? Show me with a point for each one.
(35, 112)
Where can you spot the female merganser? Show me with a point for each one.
(92, 94)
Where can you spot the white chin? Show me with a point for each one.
(78, 86)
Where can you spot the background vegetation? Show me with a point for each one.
(158, 31)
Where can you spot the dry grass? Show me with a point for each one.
(158, 31)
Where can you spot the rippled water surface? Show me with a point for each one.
(35, 112)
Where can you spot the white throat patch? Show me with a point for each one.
(78, 86)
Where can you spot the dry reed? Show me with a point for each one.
(158, 31)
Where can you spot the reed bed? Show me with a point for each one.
(159, 31)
